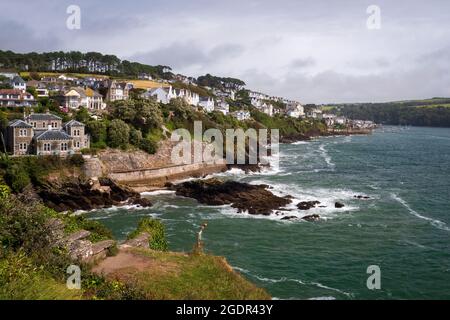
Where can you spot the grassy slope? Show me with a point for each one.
(173, 276)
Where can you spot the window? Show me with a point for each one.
(43, 124)
(64, 146)
(22, 132)
(23, 147)
(77, 144)
(47, 147)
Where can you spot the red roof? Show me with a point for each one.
(10, 91)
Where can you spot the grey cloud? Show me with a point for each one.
(302, 63)
(20, 38)
(187, 54)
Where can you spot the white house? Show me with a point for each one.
(222, 106)
(267, 108)
(207, 103)
(190, 97)
(18, 83)
(76, 98)
(295, 110)
(329, 119)
(160, 94)
(314, 113)
(242, 115)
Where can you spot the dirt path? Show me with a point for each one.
(127, 261)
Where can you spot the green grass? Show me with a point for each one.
(20, 279)
(191, 277)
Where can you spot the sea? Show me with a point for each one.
(393, 245)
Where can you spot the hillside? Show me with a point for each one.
(433, 112)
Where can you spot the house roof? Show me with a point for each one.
(85, 92)
(17, 79)
(74, 123)
(43, 117)
(19, 124)
(54, 135)
(10, 91)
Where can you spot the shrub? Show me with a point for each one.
(76, 160)
(156, 230)
(135, 137)
(149, 146)
(17, 177)
(118, 134)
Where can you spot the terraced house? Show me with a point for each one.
(45, 134)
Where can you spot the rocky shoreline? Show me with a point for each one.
(75, 194)
(253, 199)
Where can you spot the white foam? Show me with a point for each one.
(299, 143)
(157, 193)
(326, 156)
(284, 279)
(434, 222)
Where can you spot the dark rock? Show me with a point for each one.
(306, 205)
(142, 202)
(289, 218)
(312, 218)
(255, 199)
(339, 205)
(77, 194)
(362, 197)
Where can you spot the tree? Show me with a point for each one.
(97, 130)
(118, 134)
(135, 137)
(82, 115)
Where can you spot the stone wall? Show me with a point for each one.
(158, 177)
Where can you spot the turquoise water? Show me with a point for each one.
(404, 228)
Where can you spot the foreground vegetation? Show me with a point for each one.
(33, 265)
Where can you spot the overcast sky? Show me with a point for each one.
(314, 51)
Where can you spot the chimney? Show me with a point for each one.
(49, 127)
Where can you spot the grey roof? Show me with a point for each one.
(74, 123)
(17, 79)
(54, 135)
(43, 117)
(19, 124)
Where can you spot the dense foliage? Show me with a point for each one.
(433, 112)
(75, 61)
(220, 82)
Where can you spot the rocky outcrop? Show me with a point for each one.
(81, 249)
(141, 241)
(306, 205)
(339, 205)
(78, 194)
(312, 218)
(359, 197)
(255, 199)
